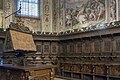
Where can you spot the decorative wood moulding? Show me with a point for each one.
(39, 48)
(96, 47)
(100, 70)
(107, 46)
(87, 46)
(46, 48)
(117, 47)
(76, 68)
(79, 47)
(111, 70)
(54, 36)
(9, 72)
(19, 27)
(115, 70)
(87, 68)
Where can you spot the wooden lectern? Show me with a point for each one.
(18, 42)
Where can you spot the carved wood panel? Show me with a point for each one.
(15, 74)
(68, 48)
(54, 47)
(107, 45)
(21, 41)
(87, 46)
(40, 72)
(3, 76)
(35, 73)
(1, 46)
(100, 69)
(115, 70)
(64, 48)
(87, 68)
(96, 46)
(60, 48)
(8, 43)
(79, 47)
(46, 47)
(118, 45)
(67, 67)
(39, 47)
(76, 68)
(72, 48)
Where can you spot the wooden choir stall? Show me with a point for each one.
(19, 43)
(35, 72)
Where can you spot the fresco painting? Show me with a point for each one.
(112, 10)
(82, 13)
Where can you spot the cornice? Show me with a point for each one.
(71, 35)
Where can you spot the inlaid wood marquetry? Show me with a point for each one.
(41, 72)
(39, 48)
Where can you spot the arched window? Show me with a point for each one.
(29, 8)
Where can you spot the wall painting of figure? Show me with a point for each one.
(112, 8)
(83, 13)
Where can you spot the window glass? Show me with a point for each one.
(29, 8)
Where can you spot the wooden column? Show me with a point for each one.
(82, 75)
(93, 72)
(107, 72)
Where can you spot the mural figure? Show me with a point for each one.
(112, 10)
(68, 17)
(101, 9)
(79, 12)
